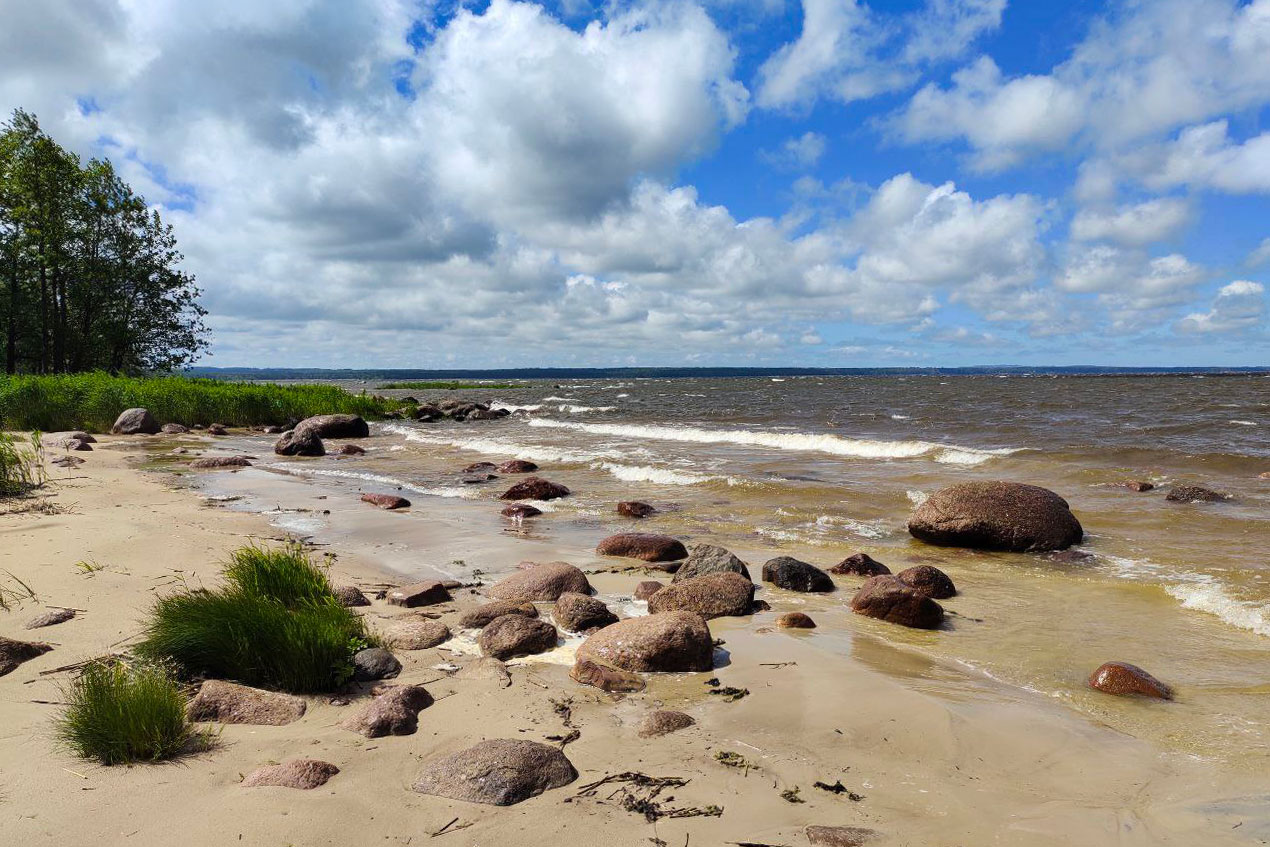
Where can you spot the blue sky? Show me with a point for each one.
(406, 183)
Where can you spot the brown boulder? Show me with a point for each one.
(135, 422)
(1138, 485)
(521, 511)
(499, 772)
(174, 429)
(673, 642)
(928, 581)
(418, 634)
(710, 558)
(517, 635)
(14, 653)
(51, 618)
(486, 669)
(664, 722)
(479, 467)
(386, 501)
(395, 712)
(212, 462)
(335, 426)
(304, 774)
(645, 546)
(350, 595)
(482, 615)
(647, 589)
(540, 582)
(535, 488)
(296, 442)
(580, 613)
(217, 429)
(634, 509)
(419, 594)
(351, 450)
(1195, 494)
(1007, 516)
(517, 466)
(795, 620)
(229, 702)
(859, 564)
(1124, 679)
(888, 598)
(713, 595)
(606, 677)
(79, 446)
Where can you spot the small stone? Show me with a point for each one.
(51, 618)
(419, 594)
(1195, 494)
(217, 429)
(1138, 485)
(579, 613)
(482, 615)
(174, 429)
(634, 509)
(419, 634)
(535, 488)
(304, 774)
(648, 588)
(929, 581)
(386, 501)
(499, 772)
(229, 702)
(517, 466)
(350, 595)
(520, 511)
(374, 663)
(1124, 679)
(351, 450)
(795, 620)
(664, 722)
(606, 677)
(395, 712)
(859, 564)
(486, 669)
(516, 635)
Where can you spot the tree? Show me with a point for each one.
(92, 276)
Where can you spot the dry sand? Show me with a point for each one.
(937, 757)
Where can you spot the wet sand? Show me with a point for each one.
(939, 754)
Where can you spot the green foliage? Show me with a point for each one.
(21, 467)
(92, 401)
(275, 623)
(90, 276)
(118, 713)
(448, 386)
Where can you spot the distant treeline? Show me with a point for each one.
(398, 374)
(89, 276)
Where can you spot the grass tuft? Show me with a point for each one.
(118, 713)
(275, 623)
(21, 467)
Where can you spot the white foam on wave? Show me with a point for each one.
(915, 497)
(794, 441)
(1244, 423)
(1211, 597)
(555, 399)
(661, 476)
(582, 410)
(529, 407)
(900, 417)
(435, 491)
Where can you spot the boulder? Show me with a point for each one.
(486, 669)
(579, 612)
(427, 413)
(479, 467)
(135, 422)
(418, 634)
(648, 588)
(78, 446)
(713, 595)
(634, 509)
(304, 774)
(795, 620)
(499, 772)
(1124, 679)
(482, 615)
(664, 722)
(928, 581)
(540, 582)
(710, 558)
(1006, 516)
(839, 836)
(889, 598)
(350, 595)
(14, 653)
(64, 439)
(215, 462)
(419, 594)
(174, 429)
(520, 511)
(229, 702)
(395, 712)
(517, 635)
(517, 466)
(50, 618)
(535, 488)
(217, 429)
(335, 426)
(374, 663)
(1195, 494)
(672, 642)
(645, 546)
(1138, 485)
(351, 450)
(299, 443)
(794, 575)
(386, 501)
(606, 677)
(859, 564)
(478, 479)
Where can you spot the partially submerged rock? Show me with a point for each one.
(374, 663)
(14, 653)
(517, 466)
(482, 615)
(335, 426)
(304, 774)
(859, 564)
(540, 582)
(672, 642)
(297, 442)
(479, 467)
(419, 594)
(929, 581)
(1006, 516)
(520, 511)
(418, 634)
(174, 429)
(135, 422)
(606, 677)
(645, 546)
(579, 612)
(1195, 494)
(535, 488)
(648, 588)
(710, 558)
(215, 462)
(1138, 485)
(351, 596)
(486, 669)
(217, 429)
(351, 450)
(713, 595)
(1124, 679)
(50, 618)
(499, 772)
(394, 712)
(229, 702)
(664, 722)
(634, 509)
(794, 575)
(386, 501)
(516, 635)
(889, 598)
(795, 620)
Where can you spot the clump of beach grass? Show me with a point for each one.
(119, 713)
(275, 623)
(21, 466)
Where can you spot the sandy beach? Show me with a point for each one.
(929, 754)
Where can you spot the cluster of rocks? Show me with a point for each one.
(305, 438)
(449, 409)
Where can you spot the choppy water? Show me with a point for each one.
(822, 467)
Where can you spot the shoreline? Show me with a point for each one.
(939, 757)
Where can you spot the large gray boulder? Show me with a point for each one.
(710, 558)
(135, 422)
(335, 426)
(500, 772)
(1008, 516)
(299, 442)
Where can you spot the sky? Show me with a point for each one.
(431, 184)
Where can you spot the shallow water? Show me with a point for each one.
(822, 467)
